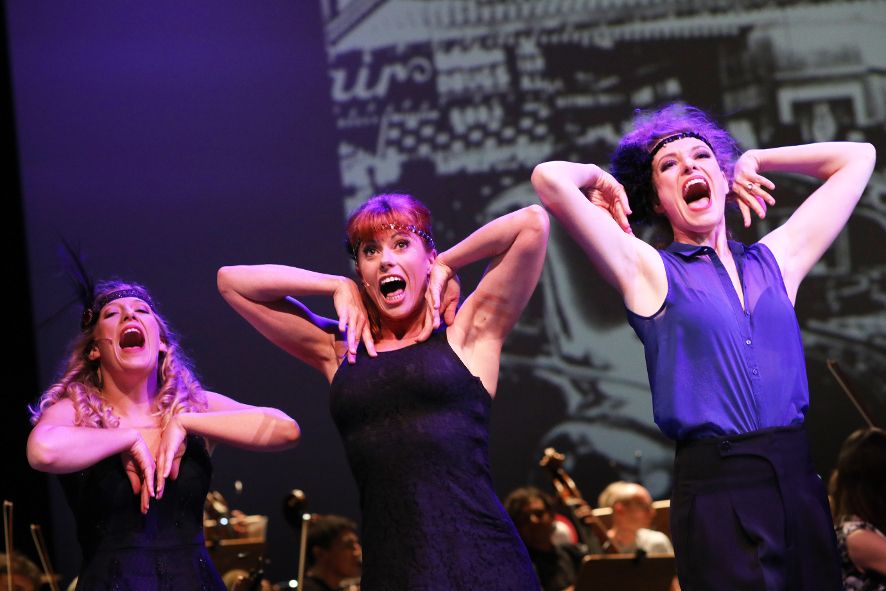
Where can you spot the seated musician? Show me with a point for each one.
(334, 555)
(556, 564)
(25, 574)
(632, 513)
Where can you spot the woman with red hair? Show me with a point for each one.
(411, 402)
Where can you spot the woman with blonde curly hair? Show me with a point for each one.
(129, 427)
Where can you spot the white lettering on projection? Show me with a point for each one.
(418, 69)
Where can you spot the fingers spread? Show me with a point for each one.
(145, 500)
(745, 213)
(149, 475)
(134, 480)
(367, 340)
(427, 326)
(343, 322)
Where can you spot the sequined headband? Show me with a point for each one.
(90, 315)
(354, 248)
(673, 138)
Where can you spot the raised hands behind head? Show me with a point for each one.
(607, 193)
(750, 189)
(441, 298)
(353, 321)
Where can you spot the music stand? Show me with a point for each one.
(653, 572)
(242, 553)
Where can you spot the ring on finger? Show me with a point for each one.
(751, 186)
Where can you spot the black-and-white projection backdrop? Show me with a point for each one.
(166, 142)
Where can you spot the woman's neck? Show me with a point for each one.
(716, 238)
(403, 329)
(133, 397)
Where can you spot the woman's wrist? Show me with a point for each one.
(444, 262)
(754, 156)
(182, 420)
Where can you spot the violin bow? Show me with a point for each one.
(841, 379)
(40, 543)
(7, 536)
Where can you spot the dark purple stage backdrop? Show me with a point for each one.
(166, 140)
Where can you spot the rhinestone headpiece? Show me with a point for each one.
(677, 136)
(354, 248)
(90, 315)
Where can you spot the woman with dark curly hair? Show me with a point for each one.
(129, 427)
(716, 318)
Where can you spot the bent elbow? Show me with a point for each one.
(541, 182)
(538, 219)
(870, 153)
(286, 435)
(291, 434)
(42, 455)
(223, 280)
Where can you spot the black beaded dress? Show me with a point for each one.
(124, 550)
(415, 426)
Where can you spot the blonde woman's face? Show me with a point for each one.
(127, 337)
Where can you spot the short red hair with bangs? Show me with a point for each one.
(384, 210)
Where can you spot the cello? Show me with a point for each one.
(588, 527)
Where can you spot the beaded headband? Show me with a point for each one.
(90, 315)
(677, 136)
(354, 248)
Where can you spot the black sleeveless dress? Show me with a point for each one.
(125, 550)
(415, 426)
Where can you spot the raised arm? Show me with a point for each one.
(58, 446)
(225, 421)
(593, 208)
(801, 241)
(263, 295)
(516, 245)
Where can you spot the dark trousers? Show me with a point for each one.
(749, 512)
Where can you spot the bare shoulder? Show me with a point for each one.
(646, 289)
(59, 413)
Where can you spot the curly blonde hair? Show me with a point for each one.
(179, 390)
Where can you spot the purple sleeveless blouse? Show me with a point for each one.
(715, 368)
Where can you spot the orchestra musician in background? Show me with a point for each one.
(26, 576)
(859, 493)
(556, 564)
(334, 555)
(632, 514)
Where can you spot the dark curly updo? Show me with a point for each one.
(632, 162)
